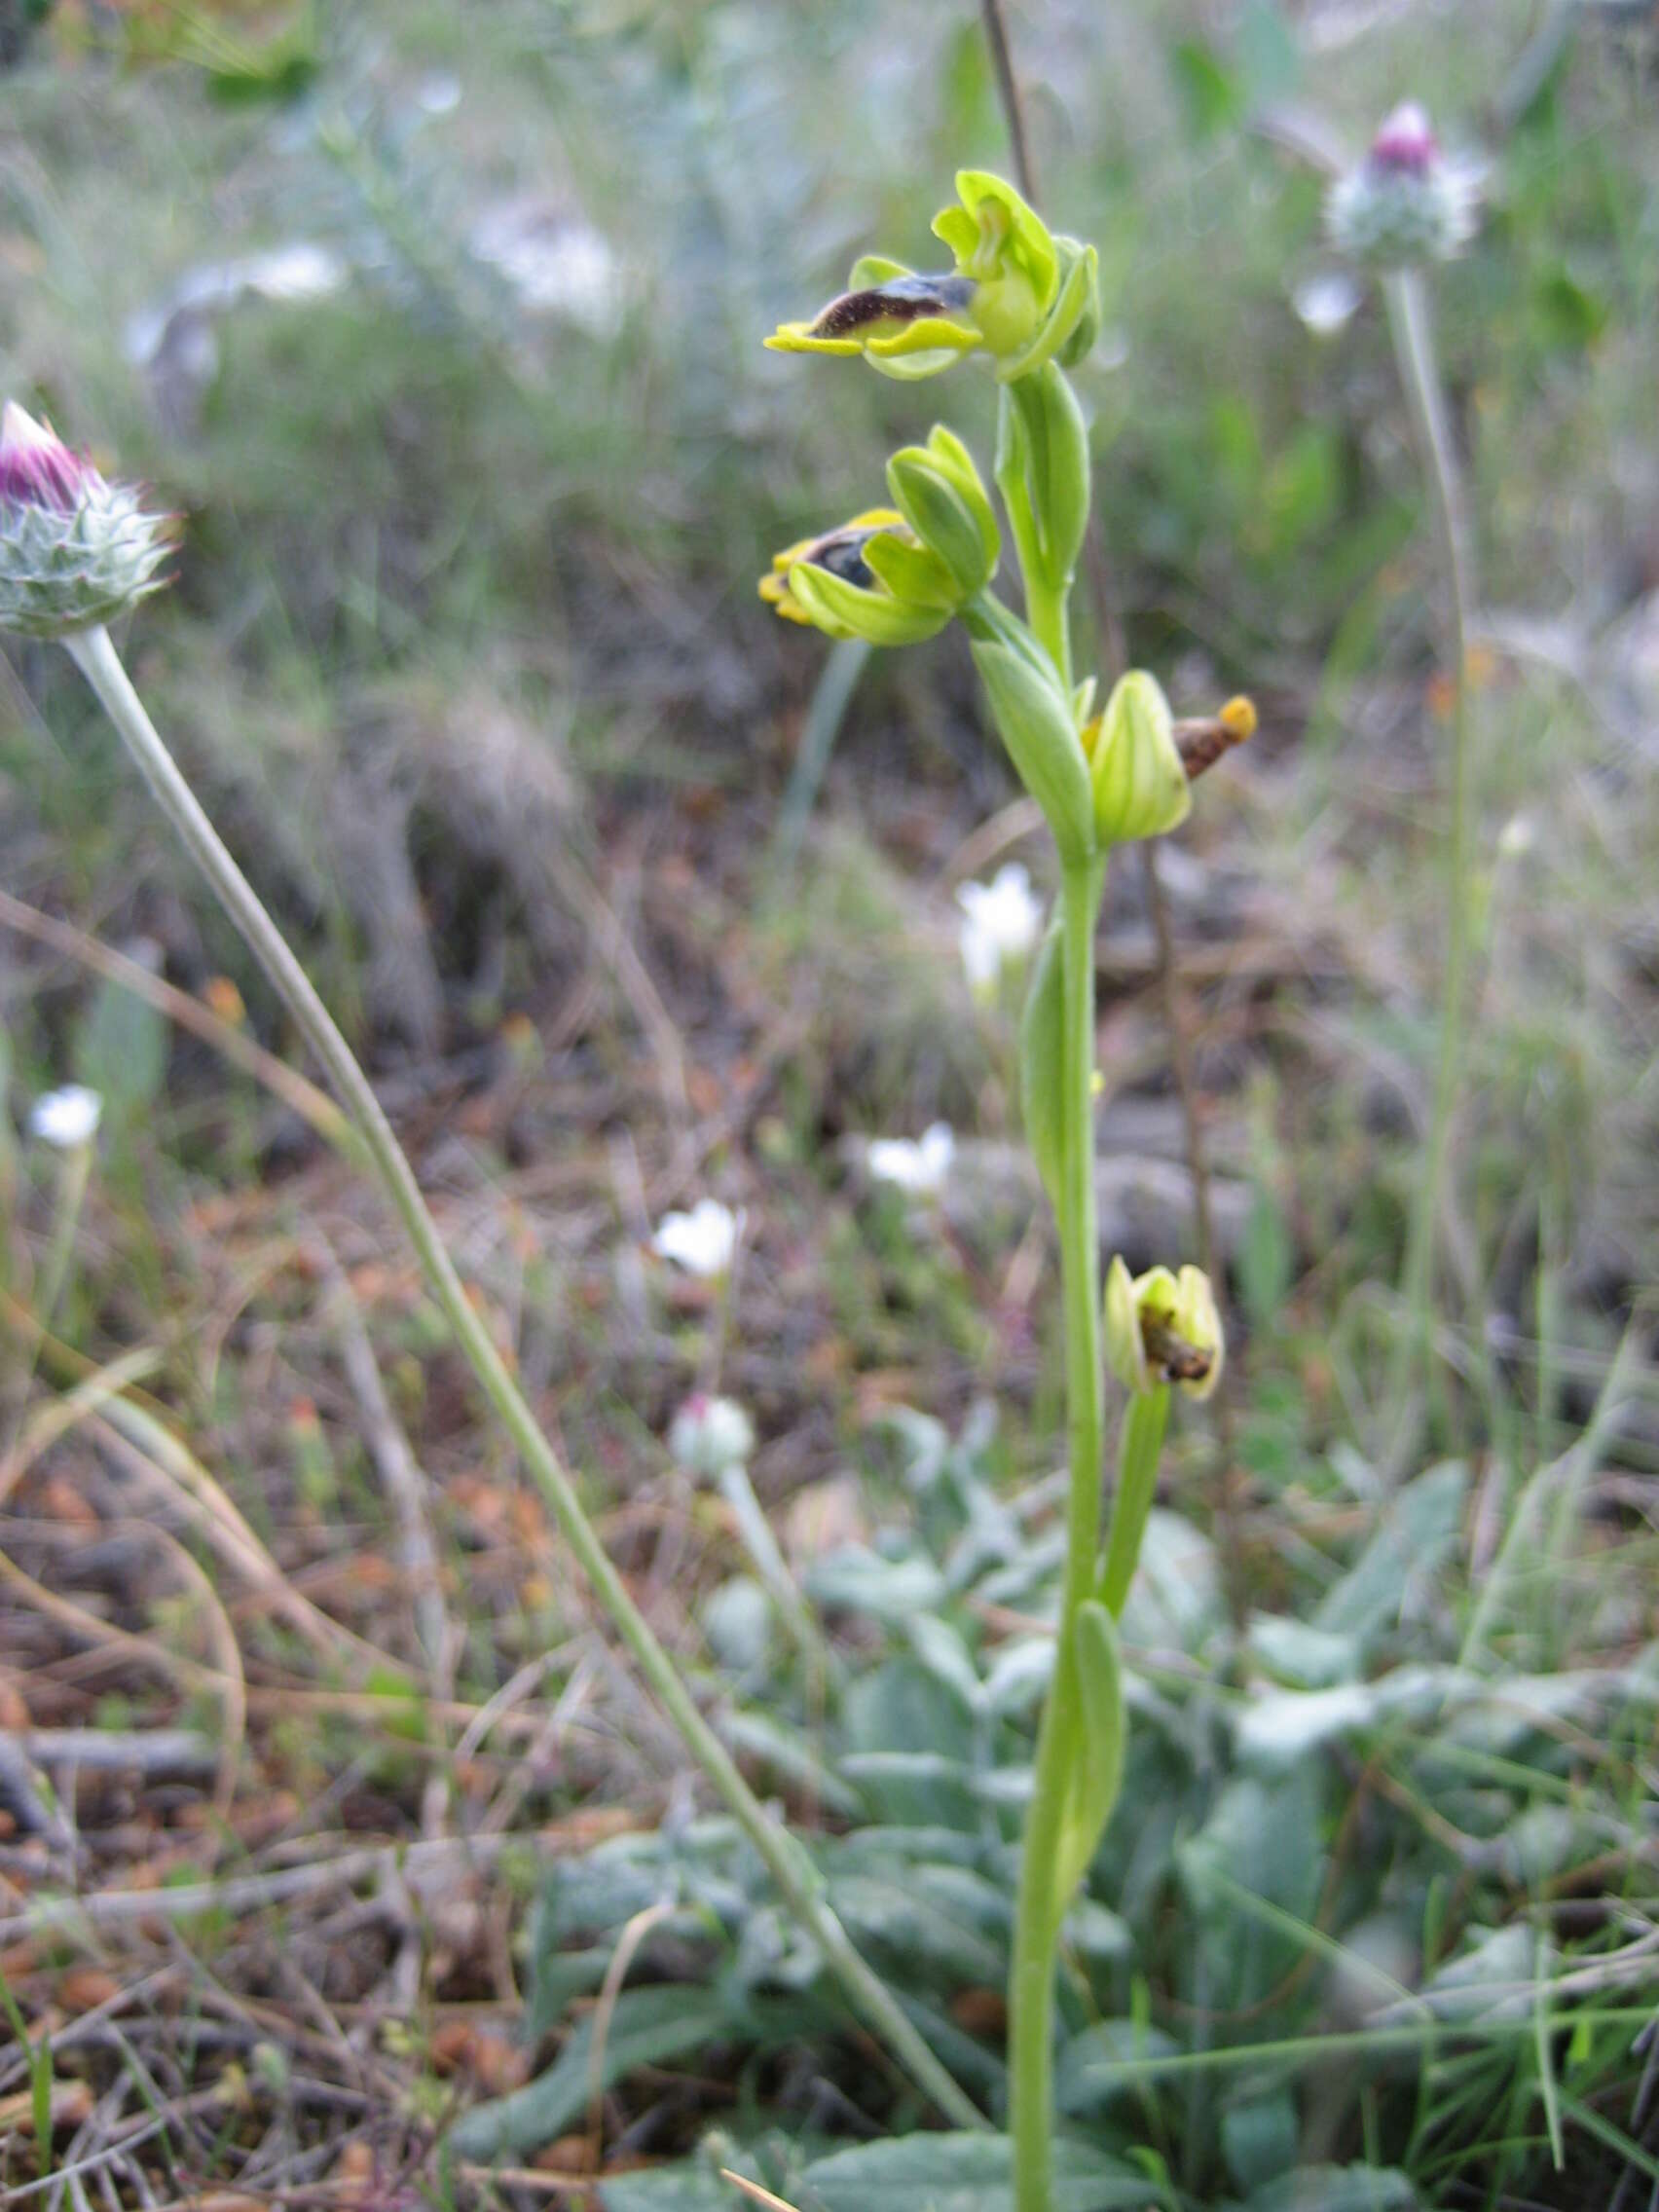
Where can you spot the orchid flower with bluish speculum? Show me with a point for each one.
(1017, 292)
(871, 578)
(894, 575)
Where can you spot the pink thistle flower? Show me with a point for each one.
(37, 469)
(1404, 142)
(75, 551)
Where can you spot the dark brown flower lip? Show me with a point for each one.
(902, 299)
(1171, 1356)
(841, 553)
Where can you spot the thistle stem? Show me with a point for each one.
(1039, 1909)
(784, 1860)
(1413, 353)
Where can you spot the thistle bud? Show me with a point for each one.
(710, 1434)
(1163, 1328)
(1139, 784)
(74, 551)
(1407, 202)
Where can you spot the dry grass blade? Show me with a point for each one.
(405, 1483)
(88, 1626)
(125, 1425)
(49, 1422)
(281, 1080)
(616, 1974)
(228, 1682)
(755, 2193)
(427, 1868)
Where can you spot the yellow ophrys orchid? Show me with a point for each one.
(1016, 292)
(1028, 300)
(871, 578)
(894, 575)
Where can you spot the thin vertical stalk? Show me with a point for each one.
(1007, 93)
(1413, 354)
(1114, 661)
(1039, 1910)
(783, 1857)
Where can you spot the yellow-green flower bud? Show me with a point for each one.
(74, 551)
(871, 579)
(1140, 786)
(1163, 1328)
(937, 489)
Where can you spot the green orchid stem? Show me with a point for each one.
(1138, 1447)
(1413, 353)
(1040, 1911)
(1048, 612)
(783, 1857)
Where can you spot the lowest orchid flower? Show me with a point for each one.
(1016, 292)
(1028, 301)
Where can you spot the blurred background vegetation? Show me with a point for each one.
(439, 329)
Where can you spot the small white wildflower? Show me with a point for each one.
(66, 1119)
(708, 1435)
(1517, 838)
(1326, 301)
(920, 1168)
(1001, 922)
(438, 94)
(702, 1242)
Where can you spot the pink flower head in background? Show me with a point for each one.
(1405, 143)
(75, 551)
(37, 469)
